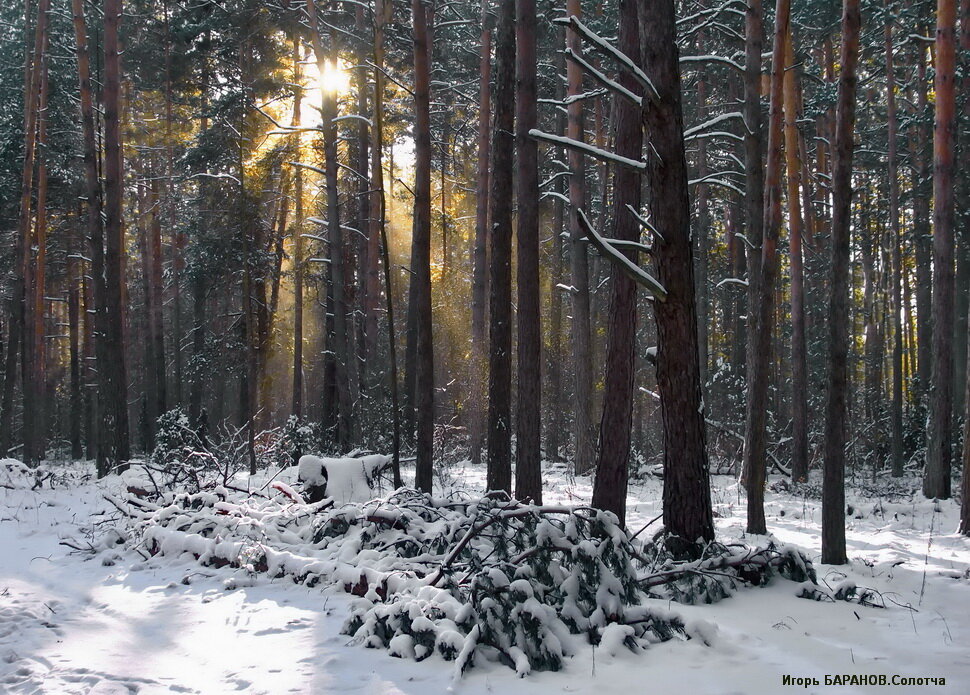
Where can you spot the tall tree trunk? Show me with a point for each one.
(896, 240)
(793, 165)
(18, 293)
(93, 293)
(178, 237)
(157, 299)
(528, 476)
(114, 413)
(421, 249)
(554, 354)
(965, 481)
(687, 510)
(296, 405)
(378, 214)
(340, 334)
(585, 444)
(479, 332)
(612, 466)
(76, 401)
(702, 227)
(499, 474)
(755, 431)
(34, 382)
(836, 410)
(200, 376)
(249, 377)
(962, 322)
(936, 477)
(921, 230)
(754, 203)
(373, 202)
(149, 412)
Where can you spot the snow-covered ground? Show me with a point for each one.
(74, 622)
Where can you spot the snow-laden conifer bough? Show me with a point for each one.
(460, 577)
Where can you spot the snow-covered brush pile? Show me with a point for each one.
(466, 579)
(15, 475)
(185, 458)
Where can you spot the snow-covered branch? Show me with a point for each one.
(604, 155)
(608, 49)
(634, 271)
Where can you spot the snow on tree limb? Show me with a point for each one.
(604, 155)
(603, 79)
(693, 130)
(645, 223)
(608, 49)
(712, 59)
(635, 272)
(713, 134)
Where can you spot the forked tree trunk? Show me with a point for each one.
(687, 510)
(762, 311)
(836, 408)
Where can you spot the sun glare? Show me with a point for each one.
(334, 78)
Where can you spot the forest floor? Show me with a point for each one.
(73, 622)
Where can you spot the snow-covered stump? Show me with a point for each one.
(341, 479)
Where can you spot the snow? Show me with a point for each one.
(344, 479)
(109, 620)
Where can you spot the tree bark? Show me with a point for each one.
(528, 476)
(755, 440)
(836, 411)
(479, 331)
(340, 334)
(896, 240)
(114, 392)
(34, 381)
(421, 249)
(754, 203)
(499, 474)
(74, 279)
(612, 466)
(936, 476)
(921, 231)
(687, 510)
(296, 395)
(18, 292)
(585, 446)
(793, 166)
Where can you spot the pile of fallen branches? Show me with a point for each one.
(463, 578)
